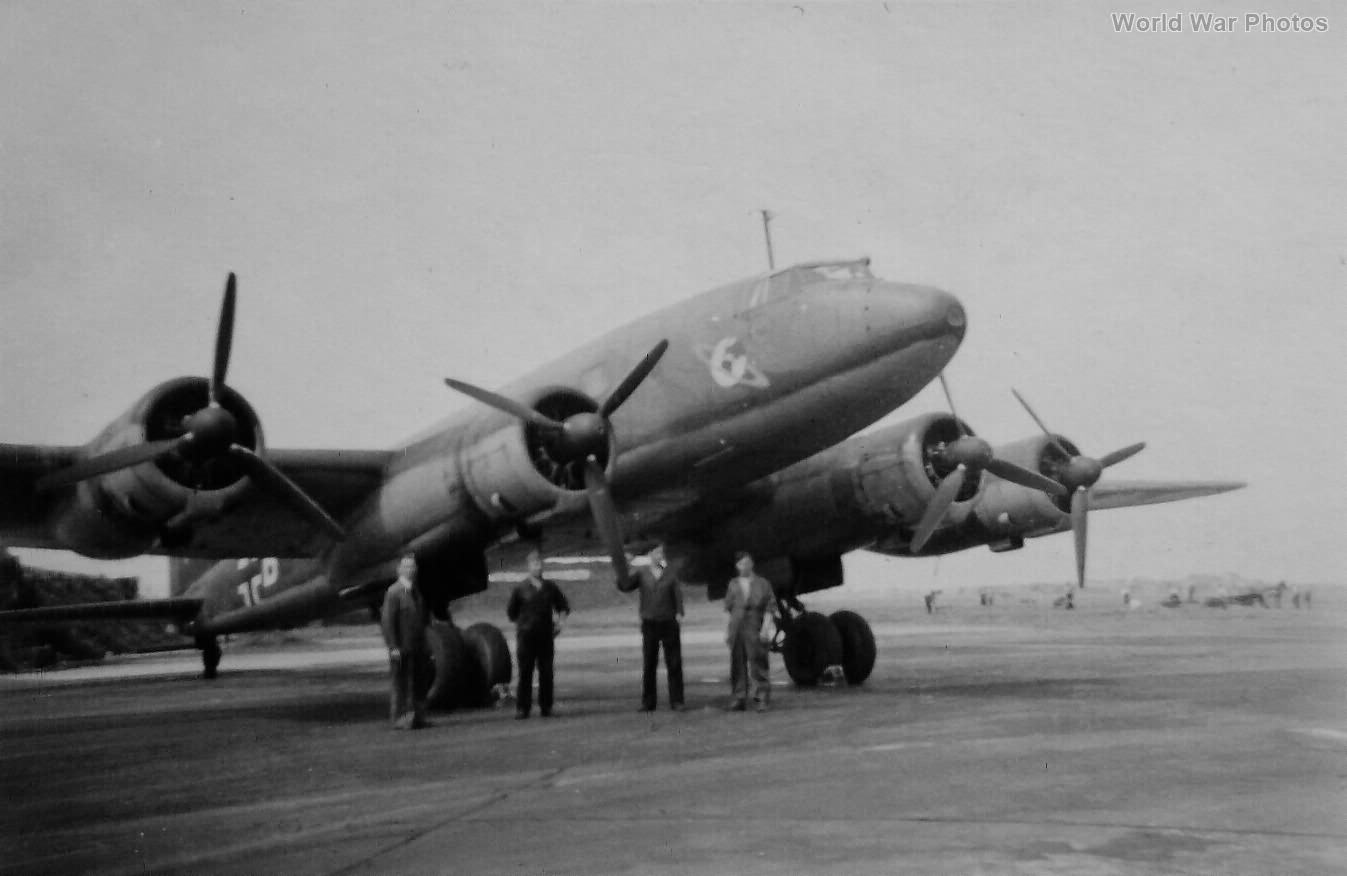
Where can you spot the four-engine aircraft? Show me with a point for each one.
(721, 423)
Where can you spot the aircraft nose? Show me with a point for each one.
(838, 327)
(907, 313)
(934, 310)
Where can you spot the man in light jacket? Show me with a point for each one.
(748, 600)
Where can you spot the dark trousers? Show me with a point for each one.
(534, 651)
(653, 635)
(405, 704)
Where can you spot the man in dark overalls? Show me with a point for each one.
(537, 607)
(404, 618)
(661, 606)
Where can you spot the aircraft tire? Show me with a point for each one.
(451, 664)
(858, 645)
(489, 663)
(812, 644)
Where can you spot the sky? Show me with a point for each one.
(1149, 231)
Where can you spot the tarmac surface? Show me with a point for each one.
(999, 740)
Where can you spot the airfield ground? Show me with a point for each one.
(1011, 739)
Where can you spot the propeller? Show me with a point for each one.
(970, 454)
(1078, 475)
(209, 434)
(580, 439)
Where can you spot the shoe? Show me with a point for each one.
(519, 716)
(547, 714)
(737, 707)
(761, 707)
(678, 707)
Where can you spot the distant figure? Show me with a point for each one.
(537, 607)
(1067, 601)
(1295, 599)
(1192, 593)
(748, 600)
(930, 602)
(1127, 598)
(661, 606)
(403, 619)
(1277, 594)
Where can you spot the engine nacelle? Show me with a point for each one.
(1009, 512)
(900, 468)
(126, 512)
(869, 491)
(511, 474)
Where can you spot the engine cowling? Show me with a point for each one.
(869, 491)
(1011, 513)
(126, 512)
(899, 482)
(512, 475)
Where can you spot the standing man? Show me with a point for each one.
(537, 607)
(748, 599)
(404, 618)
(660, 608)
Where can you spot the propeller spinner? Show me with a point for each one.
(581, 438)
(970, 454)
(210, 433)
(1078, 475)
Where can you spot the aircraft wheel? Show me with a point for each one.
(812, 645)
(450, 664)
(858, 645)
(489, 663)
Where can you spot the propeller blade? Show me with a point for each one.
(115, 460)
(273, 481)
(950, 398)
(224, 340)
(1009, 471)
(605, 517)
(1118, 456)
(633, 380)
(507, 405)
(1080, 513)
(1041, 424)
(944, 496)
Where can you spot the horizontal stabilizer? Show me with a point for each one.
(178, 609)
(1125, 494)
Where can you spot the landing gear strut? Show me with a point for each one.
(810, 644)
(210, 655)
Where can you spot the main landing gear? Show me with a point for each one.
(469, 667)
(812, 644)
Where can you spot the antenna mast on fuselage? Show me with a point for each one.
(767, 235)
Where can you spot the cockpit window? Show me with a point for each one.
(788, 281)
(854, 270)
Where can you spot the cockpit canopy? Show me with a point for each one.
(787, 281)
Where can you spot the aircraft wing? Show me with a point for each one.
(23, 511)
(179, 609)
(1125, 494)
(259, 525)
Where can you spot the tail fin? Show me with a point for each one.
(183, 573)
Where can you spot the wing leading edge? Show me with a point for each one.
(176, 609)
(1127, 494)
(259, 525)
